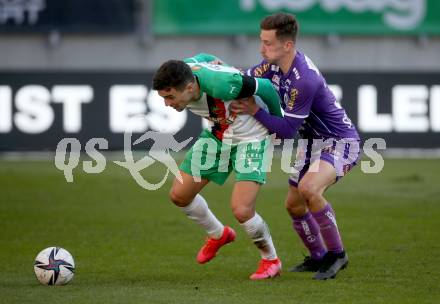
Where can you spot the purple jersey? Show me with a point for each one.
(305, 96)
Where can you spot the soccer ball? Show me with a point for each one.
(54, 266)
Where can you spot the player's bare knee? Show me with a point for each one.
(288, 204)
(308, 190)
(296, 210)
(295, 207)
(243, 213)
(178, 199)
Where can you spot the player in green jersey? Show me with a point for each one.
(206, 89)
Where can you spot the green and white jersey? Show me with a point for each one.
(219, 85)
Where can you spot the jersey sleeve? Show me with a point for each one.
(227, 83)
(298, 105)
(218, 81)
(262, 70)
(265, 87)
(202, 57)
(269, 96)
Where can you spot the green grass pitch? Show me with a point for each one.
(133, 246)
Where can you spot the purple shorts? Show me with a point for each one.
(343, 154)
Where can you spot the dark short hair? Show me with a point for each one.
(172, 74)
(286, 25)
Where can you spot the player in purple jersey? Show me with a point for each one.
(329, 147)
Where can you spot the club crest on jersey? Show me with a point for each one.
(231, 118)
(293, 95)
(221, 120)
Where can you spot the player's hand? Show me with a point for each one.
(244, 106)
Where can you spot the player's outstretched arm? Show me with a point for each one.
(287, 126)
(228, 83)
(284, 127)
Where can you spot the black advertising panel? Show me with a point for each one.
(38, 109)
(67, 15)
(402, 108)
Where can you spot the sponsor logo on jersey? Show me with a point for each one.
(274, 68)
(293, 95)
(261, 69)
(276, 79)
(218, 120)
(329, 150)
(231, 118)
(286, 98)
(217, 115)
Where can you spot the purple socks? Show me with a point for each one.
(315, 227)
(308, 231)
(326, 220)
